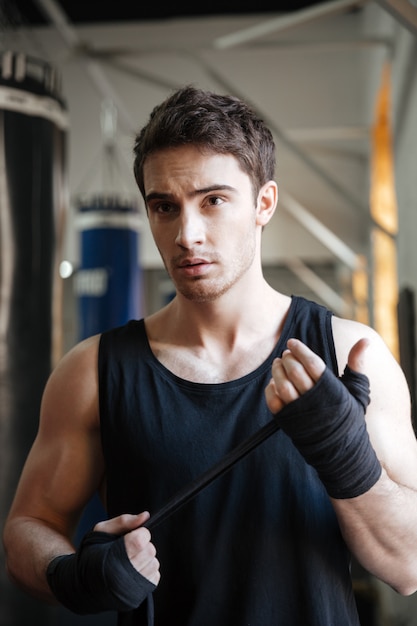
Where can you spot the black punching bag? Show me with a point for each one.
(33, 123)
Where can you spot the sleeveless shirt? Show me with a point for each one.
(260, 546)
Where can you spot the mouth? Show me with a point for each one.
(194, 266)
(192, 262)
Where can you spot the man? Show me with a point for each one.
(141, 411)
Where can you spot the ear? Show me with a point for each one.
(267, 202)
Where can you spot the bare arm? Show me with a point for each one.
(62, 471)
(64, 468)
(380, 526)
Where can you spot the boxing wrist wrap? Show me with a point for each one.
(98, 577)
(327, 425)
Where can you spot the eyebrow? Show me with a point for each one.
(156, 195)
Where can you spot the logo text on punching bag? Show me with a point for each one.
(91, 282)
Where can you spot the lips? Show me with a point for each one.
(192, 262)
(194, 266)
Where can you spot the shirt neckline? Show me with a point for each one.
(258, 371)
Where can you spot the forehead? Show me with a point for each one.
(190, 166)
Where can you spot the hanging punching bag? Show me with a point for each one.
(108, 283)
(33, 123)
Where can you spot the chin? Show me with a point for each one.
(198, 292)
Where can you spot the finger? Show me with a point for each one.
(356, 358)
(313, 364)
(138, 545)
(142, 553)
(151, 571)
(296, 373)
(122, 524)
(273, 400)
(284, 387)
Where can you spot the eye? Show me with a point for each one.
(163, 208)
(215, 200)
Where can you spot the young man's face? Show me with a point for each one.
(203, 219)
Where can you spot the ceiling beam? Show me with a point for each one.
(322, 233)
(326, 45)
(282, 23)
(313, 281)
(405, 11)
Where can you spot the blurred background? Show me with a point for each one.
(337, 83)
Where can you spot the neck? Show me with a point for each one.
(227, 320)
(214, 343)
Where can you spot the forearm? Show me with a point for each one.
(380, 529)
(30, 545)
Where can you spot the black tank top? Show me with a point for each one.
(260, 546)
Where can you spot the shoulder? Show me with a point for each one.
(82, 356)
(347, 332)
(72, 386)
(380, 364)
(389, 388)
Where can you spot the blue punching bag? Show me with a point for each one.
(109, 281)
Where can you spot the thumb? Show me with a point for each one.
(122, 524)
(356, 358)
(354, 377)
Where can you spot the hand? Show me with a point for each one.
(113, 569)
(299, 368)
(139, 549)
(324, 417)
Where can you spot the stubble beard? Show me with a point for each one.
(206, 289)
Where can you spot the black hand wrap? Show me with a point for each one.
(327, 425)
(98, 577)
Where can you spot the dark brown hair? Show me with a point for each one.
(220, 124)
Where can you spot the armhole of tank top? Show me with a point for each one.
(330, 342)
(101, 360)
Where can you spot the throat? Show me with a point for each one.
(211, 346)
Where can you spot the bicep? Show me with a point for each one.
(65, 465)
(389, 421)
(388, 416)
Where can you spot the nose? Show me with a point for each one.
(190, 228)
